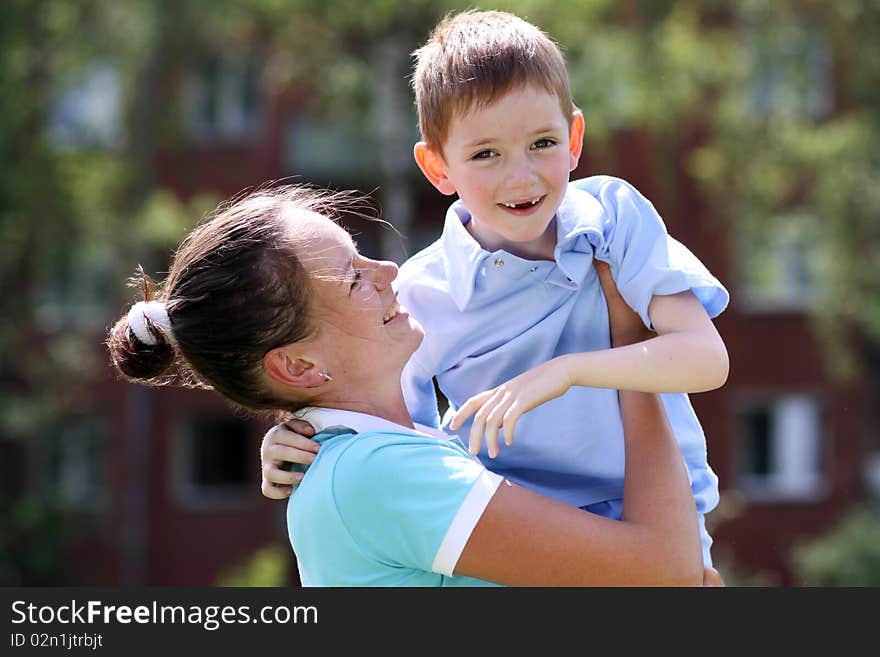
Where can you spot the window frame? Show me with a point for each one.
(758, 489)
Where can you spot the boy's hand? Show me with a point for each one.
(285, 442)
(501, 407)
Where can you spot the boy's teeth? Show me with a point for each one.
(516, 205)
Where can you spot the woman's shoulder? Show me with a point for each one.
(392, 446)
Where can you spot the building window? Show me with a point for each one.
(221, 98)
(326, 150)
(780, 448)
(88, 112)
(76, 462)
(791, 71)
(213, 462)
(780, 265)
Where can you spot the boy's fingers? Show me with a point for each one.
(510, 419)
(299, 442)
(493, 423)
(478, 428)
(475, 437)
(300, 427)
(278, 477)
(277, 453)
(469, 408)
(282, 435)
(276, 492)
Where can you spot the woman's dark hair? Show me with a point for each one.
(237, 289)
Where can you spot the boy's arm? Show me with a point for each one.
(687, 355)
(669, 288)
(285, 443)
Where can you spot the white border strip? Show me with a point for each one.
(463, 523)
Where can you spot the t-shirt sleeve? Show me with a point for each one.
(411, 503)
(647, 261)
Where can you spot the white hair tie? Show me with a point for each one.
(155, 312)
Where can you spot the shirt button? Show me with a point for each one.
(499, 262)
(533, 269)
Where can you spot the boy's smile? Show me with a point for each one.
(509, 163)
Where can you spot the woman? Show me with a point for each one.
(270, 304)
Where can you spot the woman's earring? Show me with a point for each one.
(327, 378)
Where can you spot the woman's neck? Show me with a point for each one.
(389, 406)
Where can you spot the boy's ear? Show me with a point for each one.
(290, 370)
(576, 138)
(432, 165)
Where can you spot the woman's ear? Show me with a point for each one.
(283, 366)
(432, 165)
(576, 138)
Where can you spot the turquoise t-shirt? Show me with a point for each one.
(388, 506)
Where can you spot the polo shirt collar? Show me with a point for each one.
(322, 419)
(462, 255)
(579, 214)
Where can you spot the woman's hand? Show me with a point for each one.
(625, 324)
(288, 442)
(500, 408)
(712, 577)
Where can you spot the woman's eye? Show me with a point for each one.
(356, 280)
(544, 143)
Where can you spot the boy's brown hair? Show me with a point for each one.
(475, 57)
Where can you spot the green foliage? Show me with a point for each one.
(848, 555)
(75, 219)
(32, 539)
(269, 566)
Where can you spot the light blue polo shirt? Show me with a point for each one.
(383, 505)
(491, 316)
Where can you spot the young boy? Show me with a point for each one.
(509, 295)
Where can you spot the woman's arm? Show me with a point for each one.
(525, 539)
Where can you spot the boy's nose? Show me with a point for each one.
(521, 174)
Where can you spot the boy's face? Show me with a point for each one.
(509, 163)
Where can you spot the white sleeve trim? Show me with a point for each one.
(465, 520)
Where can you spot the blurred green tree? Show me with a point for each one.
(268, 566)
(848, 555)
(80, 120)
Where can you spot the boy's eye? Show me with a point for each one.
(544, 143)
(483, 155)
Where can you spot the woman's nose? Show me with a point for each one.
(383, 273)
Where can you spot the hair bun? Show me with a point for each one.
(145, 318)
(141, 345)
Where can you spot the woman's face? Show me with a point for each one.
(362, 331)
